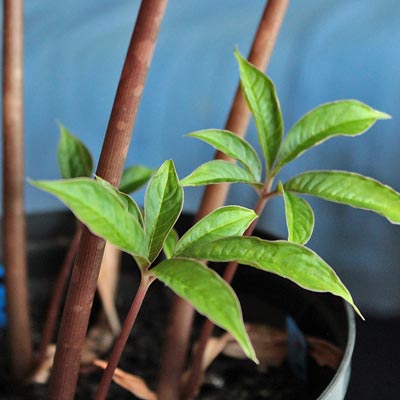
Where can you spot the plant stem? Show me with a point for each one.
(14, 240)
(85, 273)
(123, 337)
(57, 296)
(182, 313)
(193, 382)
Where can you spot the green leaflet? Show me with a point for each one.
(162, 204)
(260, 94)
(289, 260)
(344, 118)
(170, 243)
(130, 204)
(133, 178)
(218, 171)
(299, 217)
(350, 189)
(100, 210)
(224, 221)
(209, 294)
(233, 146)
(74, 159)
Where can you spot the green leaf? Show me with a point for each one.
(289, 260)
(260, 94)
(170, 243)
(224, 221)
(100, 210)
(133, 178)
(339, 118)
(130, 204)
(74, 159)
(233, 146)
(209, 294)
(162, 204)
(218, 171)
(299, 217)
(350, 189)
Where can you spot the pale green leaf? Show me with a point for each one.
(74, 159)
(233, 146)
(162, 204)
(209, 294)
(339, 118)
(170, 243)
(260, 94)
(350, 189)
(289, 260)
(299, 217)
(218, 171)
(133, 178)
(130, 204)
(224, 221)
(100, 210)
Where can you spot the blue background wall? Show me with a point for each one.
(327, 50)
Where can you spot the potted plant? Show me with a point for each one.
(116, 217)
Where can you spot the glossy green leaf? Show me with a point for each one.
(350, 189)
(133, 178)
(233, 146)
(339, 118)
(299, 217)
(130, 204)
(218, 171)
(74, 159)
(162, 204)
(170, 243)
(224, 221)
(260, 94)
(209, 294)
(100, 210)
(289, 260)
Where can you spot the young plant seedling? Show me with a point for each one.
(117, 218)
(289, 259)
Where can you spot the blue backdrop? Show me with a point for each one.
(327, 50)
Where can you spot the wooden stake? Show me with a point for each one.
(115, 147)
(14, 240)
(181, 317)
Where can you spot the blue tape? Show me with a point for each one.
(3, 315)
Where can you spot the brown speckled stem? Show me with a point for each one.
(14, 240)
(86, 270)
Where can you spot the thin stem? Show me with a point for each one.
(86, 270)
(14, 239)
(57, 296)
(182, 313)
(123, 337)
(193, 382)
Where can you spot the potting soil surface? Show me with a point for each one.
(226, 379)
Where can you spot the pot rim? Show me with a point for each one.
(346, 360)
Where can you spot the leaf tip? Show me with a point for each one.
(382, 115)
(358, 312)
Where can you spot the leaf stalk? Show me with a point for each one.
(126, 329)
